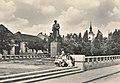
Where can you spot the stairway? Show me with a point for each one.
(30, 77)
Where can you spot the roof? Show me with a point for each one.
(8, 32)
(43, 36)
(27, 38)
(40, 34)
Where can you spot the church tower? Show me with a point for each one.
(91, 34)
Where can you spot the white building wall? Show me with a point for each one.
(22, 47)
(12, 52)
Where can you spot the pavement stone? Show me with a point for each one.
(84, 76)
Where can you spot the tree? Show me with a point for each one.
(86, 46)
(85, 36)
(115, 36)
(68, 46)
(5, 39)
(80, 38)
(115, 42)
(98, 44)
(37, 46)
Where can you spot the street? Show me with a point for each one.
(110, 79)
(86, 76)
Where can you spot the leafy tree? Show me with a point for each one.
(85, 36)
(86, 46)
(37, 46)
(6, 38)
(68, 46)
(115, 36)
(79, 38)
(115, 43)
(98, 44)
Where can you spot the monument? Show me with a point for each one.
(55, 45)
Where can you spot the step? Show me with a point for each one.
(35, 75)
(49, 77)
(32, 73)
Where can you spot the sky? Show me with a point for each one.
(74, 16)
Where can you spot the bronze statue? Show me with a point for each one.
(55, 29)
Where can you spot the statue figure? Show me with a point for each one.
(55, 43)
(55, 30)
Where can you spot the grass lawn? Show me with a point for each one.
(20, 66)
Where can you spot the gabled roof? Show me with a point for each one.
(8, 32)
(26, 37)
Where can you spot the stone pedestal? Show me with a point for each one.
(55, 47)
(79, 61)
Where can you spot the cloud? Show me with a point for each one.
(35, 3)
(41, 28)
(34, 16)
(112, 25)
(8, 18)
(115, 14)
(48, 10)
(72, 15)
(70, 20)
(83, 4)
(100, 15)
(80, 12)
(6, 9)
(117, 2)
(35, 11)
(17, 24)
(11, 19)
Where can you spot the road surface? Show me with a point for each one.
(109, 79)
(90, 76)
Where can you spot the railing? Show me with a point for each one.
(93, 62)
(84, 62)
(21, 57)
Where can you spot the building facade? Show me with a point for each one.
(22, 41)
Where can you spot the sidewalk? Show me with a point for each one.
(85, 76)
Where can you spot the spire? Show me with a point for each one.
(91, 34)
(90, 26)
